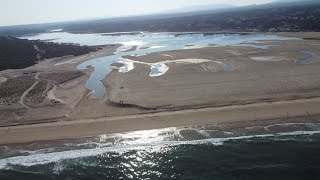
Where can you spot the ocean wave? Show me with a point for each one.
(41, 159)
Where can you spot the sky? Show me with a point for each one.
(14, 12)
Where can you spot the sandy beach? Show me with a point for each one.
(91, 127)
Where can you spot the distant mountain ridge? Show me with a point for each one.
(284, 1)
(208, 7)
(281, 15)
(297, 1)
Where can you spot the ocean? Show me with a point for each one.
(232, 151)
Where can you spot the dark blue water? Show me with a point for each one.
(188, 153)
(285, 157)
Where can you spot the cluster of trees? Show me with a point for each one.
(50, 50)
(21, 53)
(16, 53)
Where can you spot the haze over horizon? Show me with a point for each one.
(18, 12)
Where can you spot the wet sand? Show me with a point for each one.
(216, 132)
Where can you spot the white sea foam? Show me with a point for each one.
(58, 167)
(288, 124)
(177, 134)
(294, 133)
(40, 159)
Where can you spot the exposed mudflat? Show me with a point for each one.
(256, 75)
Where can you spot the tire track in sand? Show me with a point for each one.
(50, 95)
(21, 101)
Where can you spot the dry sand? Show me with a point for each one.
(91, 127)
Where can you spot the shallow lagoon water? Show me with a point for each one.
(158, 40)
(147, 43)
(307, 60)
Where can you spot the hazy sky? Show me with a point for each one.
(14, 12)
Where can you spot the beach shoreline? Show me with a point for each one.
(120, 124)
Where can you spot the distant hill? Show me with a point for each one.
(283, 15)
(302, 1)
(199, 8)
(296, 2)
(255, 18)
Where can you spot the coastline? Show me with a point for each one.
(118, 124)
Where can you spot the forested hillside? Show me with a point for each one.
(20, 53)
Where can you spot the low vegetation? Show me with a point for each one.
(61, 77)
(12, 89)
(38, 94)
